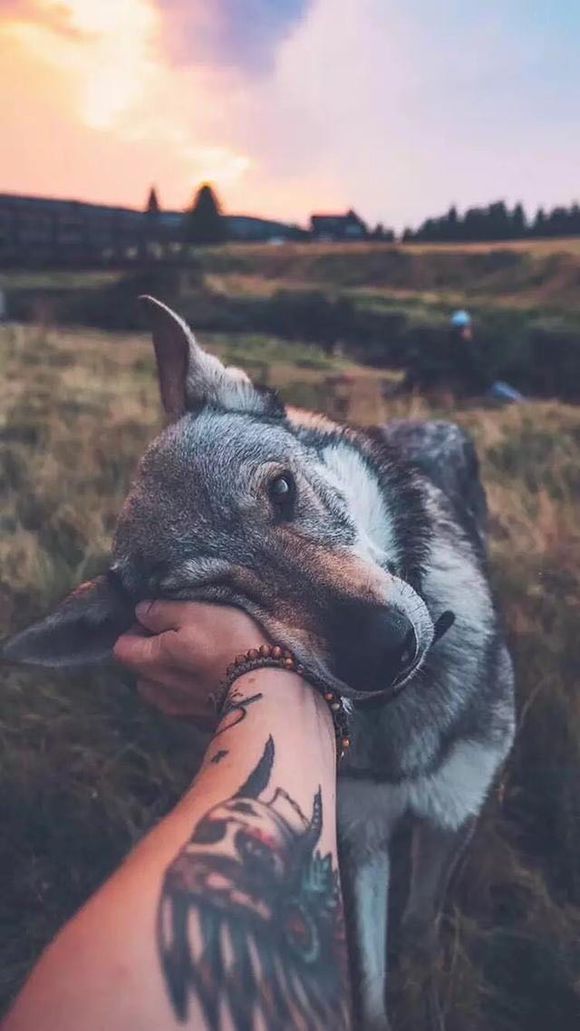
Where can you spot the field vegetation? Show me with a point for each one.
(388, 305)
(86, 768)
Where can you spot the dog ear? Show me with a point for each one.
(189, 376)
(80, 631)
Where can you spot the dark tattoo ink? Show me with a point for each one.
(217, 758)
(235, 711)
(268, 944)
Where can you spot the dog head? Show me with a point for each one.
(239, 501)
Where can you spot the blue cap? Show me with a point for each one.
(460, 319)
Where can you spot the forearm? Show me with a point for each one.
(228, 914)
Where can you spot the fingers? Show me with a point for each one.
(159, 616)
(202, 617)
(138, 652)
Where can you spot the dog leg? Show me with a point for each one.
(435, 853)
(368, 902)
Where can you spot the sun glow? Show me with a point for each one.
(104, 47)
(119, 84)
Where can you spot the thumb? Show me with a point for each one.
(159, 616)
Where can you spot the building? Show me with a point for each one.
(331, 228)
(261, 230)
(42, 231)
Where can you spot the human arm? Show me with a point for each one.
(229, 910)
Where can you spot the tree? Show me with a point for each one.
(519, 224)
(496, 224)
(539, 226)
(204, 222)
(452, 223)
(152, 202)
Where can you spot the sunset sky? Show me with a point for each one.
(289, 106)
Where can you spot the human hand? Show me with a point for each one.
(182, 664)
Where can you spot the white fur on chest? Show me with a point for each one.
(368, 812)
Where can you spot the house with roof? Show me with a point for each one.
(330, 228)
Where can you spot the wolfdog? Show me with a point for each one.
(362, 552)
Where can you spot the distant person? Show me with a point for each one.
(462, 323)
(469, 376)
(467, 368)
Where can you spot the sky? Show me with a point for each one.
(397, 109)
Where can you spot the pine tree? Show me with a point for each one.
(539, 226)
(519, 224)
(452, 228)
(204, 222)
(152, 202)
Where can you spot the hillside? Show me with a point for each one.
(86, 769)
(542, 275)
(539, 275)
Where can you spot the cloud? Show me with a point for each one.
(51, 14)
(397, 110)
(240, 34)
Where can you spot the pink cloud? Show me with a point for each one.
(54, 16)
(243, 35)
(357, 102)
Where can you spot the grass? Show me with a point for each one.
(533, 277)
(541, 276)
(86, 769)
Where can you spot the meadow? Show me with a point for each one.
(86, 768)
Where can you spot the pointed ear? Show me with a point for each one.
(80, 631)
(189, 377)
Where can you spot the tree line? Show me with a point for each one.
(497, 221)
(204, 223)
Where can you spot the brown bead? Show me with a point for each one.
(276, 652)
(346, 742)
(253, 653)
(265, 651)
(239, 659)
(328, 696)
(289, 663)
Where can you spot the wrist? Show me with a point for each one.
(277, 658)
(287, 703)
(280, 689)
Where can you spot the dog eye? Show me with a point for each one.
(282, 492)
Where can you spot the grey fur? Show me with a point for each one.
(387, 526)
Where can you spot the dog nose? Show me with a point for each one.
(393, 638)
(376, 648)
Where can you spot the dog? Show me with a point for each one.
(364, 553)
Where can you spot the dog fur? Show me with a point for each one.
(386, 525)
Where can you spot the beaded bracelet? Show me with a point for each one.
(275, 657)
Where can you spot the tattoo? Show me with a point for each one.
(217, 758)
(250, 919)
(235, 710)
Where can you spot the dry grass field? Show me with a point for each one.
(86, 769)
(534, 275)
